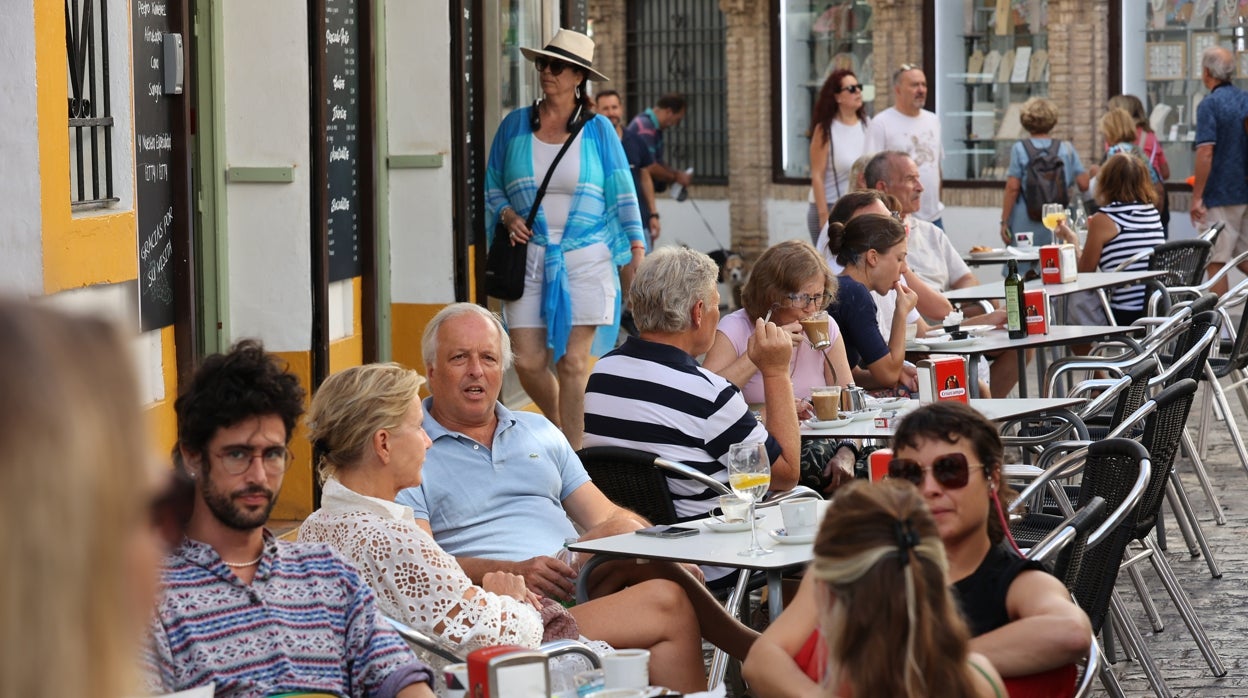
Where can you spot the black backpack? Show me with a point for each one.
(1044, 179)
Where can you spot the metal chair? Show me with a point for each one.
(1183, 262)
(1230, 362)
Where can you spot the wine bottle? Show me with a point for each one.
(1014, 302)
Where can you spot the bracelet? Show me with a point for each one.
(637, 246)
(652, 215)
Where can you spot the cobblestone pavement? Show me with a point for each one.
(1222, 604)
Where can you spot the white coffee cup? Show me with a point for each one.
(1022, 240)
(800, 517)
(455, 677)
(735, 508)
(627, 668)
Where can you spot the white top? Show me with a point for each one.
(920, 137)
(417, 582)
(932, 256)
(557, 201)
(848, 144)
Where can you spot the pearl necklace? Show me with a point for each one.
(237, 565)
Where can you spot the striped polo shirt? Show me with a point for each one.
(655, 397)
(305, 623)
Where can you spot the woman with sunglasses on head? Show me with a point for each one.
(838, 137)
(1021, 617)
(587, 224)
(789, 282)
(873, 615)
(872, 250)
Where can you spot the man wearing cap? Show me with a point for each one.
(643, 143)
(908, 127)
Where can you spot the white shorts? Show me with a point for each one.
(591, 279)
(1234, 238)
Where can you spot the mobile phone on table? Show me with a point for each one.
(667, 531)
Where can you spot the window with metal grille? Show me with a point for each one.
(90, 107)
(678, 46)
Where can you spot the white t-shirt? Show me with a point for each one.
(920, 137)
(557, 201)
(932, 256)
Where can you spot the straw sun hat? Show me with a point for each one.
(571, 47)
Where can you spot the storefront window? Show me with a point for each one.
(991, 57)
(815, 38)
(1161, 50)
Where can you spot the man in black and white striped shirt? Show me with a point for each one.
(651, 394)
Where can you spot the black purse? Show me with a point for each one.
(505, 262)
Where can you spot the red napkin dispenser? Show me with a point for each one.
(508, 671)
(1058, 264)
(878, 463)
(942, 378)
(1036, 311)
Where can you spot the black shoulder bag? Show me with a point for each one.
(505, 262)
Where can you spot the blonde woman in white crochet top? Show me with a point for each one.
(365, 424)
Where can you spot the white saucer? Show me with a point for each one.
(973, 330)
(726, 527)
(863, 414)
(778, 535)
(814, 423)
(888, 402)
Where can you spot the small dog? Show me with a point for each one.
(731, 278)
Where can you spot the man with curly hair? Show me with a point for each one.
(239, 609)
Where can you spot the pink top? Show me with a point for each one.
(806, 365)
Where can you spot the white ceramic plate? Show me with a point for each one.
(887, 402)
(974, 330)
(1022, 251)
(779, 535)
(946, 343)
(725, 527)
(987, 253)
(814, 423)
(860, 415)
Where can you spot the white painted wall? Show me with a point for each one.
(417, 43)
(21, 248)
(266, 125)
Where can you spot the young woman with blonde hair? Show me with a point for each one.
(75, 479)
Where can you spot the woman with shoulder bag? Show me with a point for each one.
(1147, 141)
(585, 225)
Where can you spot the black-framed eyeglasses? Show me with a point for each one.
(951, 471)
(235, 460)
(852, 89)
(555, 65)
(805, 300)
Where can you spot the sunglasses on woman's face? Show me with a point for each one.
(951, 471)
(556, 66)
(852, 89)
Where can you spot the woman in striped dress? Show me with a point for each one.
(1127, 223)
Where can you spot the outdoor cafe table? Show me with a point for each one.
(1001, 257)
(1087, 281)
(999, 340)
(995, 409)
(707, 548)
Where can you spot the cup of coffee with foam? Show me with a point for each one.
(816, 329)
(826, 399)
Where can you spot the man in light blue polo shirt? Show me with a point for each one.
(1220, 192)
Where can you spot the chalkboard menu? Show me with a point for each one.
(342, 136)
(153, 158)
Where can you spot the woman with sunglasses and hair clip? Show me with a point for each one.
(1021, 617)
(887, 624)
(872, 250)
(587, 224)
(838, 137)
(789, 282)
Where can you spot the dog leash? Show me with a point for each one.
(709, 229)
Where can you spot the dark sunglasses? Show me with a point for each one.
(556, 66)
(950, 471)
(852, 89)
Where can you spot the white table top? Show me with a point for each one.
(1087, 281)
(995, 409)
(999, 339)
(708, 547)
(1001, 257)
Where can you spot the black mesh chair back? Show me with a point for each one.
(1163, 431)
(1070, 560)
(1183, 261)
(629, 478)
(1194, 368)
(1110, 472)
(1135, 394)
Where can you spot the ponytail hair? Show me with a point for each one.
(850, 241)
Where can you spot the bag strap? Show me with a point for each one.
(541, 191)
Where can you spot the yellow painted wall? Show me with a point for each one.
(295, 499)
(162, 421)
(349, 351)
(407, 323)
(76, 251)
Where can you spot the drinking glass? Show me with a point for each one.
(749, 475)
(1053, 215)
